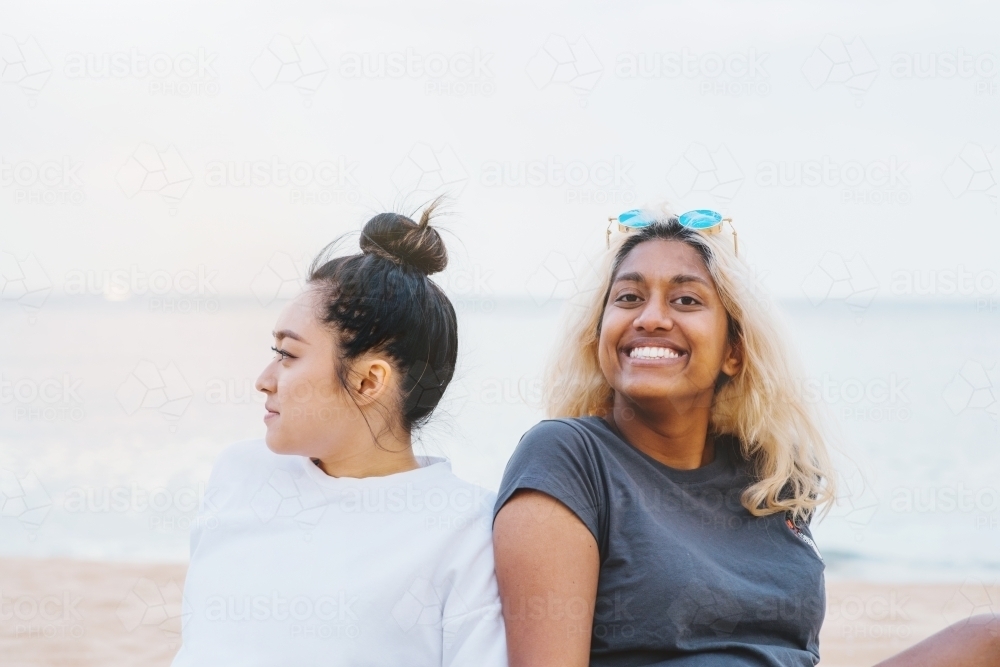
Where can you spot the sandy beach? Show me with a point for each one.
(69, 613)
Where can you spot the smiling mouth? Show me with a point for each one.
(654, 352)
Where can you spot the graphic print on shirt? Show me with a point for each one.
(802, 536)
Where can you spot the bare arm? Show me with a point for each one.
(974, 642)
(547, 565)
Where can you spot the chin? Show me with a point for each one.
(655, 398)
(645, 391)
(276, 443)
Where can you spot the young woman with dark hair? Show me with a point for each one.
(329, 542)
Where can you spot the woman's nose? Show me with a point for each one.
(265, 383)
(653, 316)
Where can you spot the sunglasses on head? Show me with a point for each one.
(702, 220)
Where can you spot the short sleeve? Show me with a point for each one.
(557, 457)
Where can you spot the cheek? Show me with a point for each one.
(306, 385)
(607, 348)
(709, 343)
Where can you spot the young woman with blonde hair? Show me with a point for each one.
(661, 515)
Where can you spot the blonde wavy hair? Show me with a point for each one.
(782, 435)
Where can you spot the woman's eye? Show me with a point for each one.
(628, 298)
(284, 355)
(687, 301)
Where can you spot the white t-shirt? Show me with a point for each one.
(291, 567)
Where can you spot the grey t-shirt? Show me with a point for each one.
(688, 576)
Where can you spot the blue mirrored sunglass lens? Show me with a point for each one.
(634, 219)
(700, 219)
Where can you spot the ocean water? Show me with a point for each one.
(111, 414)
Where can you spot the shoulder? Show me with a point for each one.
(578, 444)
(563, 452)
(567, 434)
(566, 459)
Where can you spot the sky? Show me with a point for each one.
(853, 144)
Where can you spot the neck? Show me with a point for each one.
(676, 439)
(388, 457)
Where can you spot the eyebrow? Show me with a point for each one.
(680, 279)
(287, 333)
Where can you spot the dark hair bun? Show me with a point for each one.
(396, 237)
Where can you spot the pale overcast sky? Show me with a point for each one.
(175, 135)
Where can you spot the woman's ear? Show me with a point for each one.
(733, 361)
(371, 377)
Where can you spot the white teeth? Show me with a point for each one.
(653, 353)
